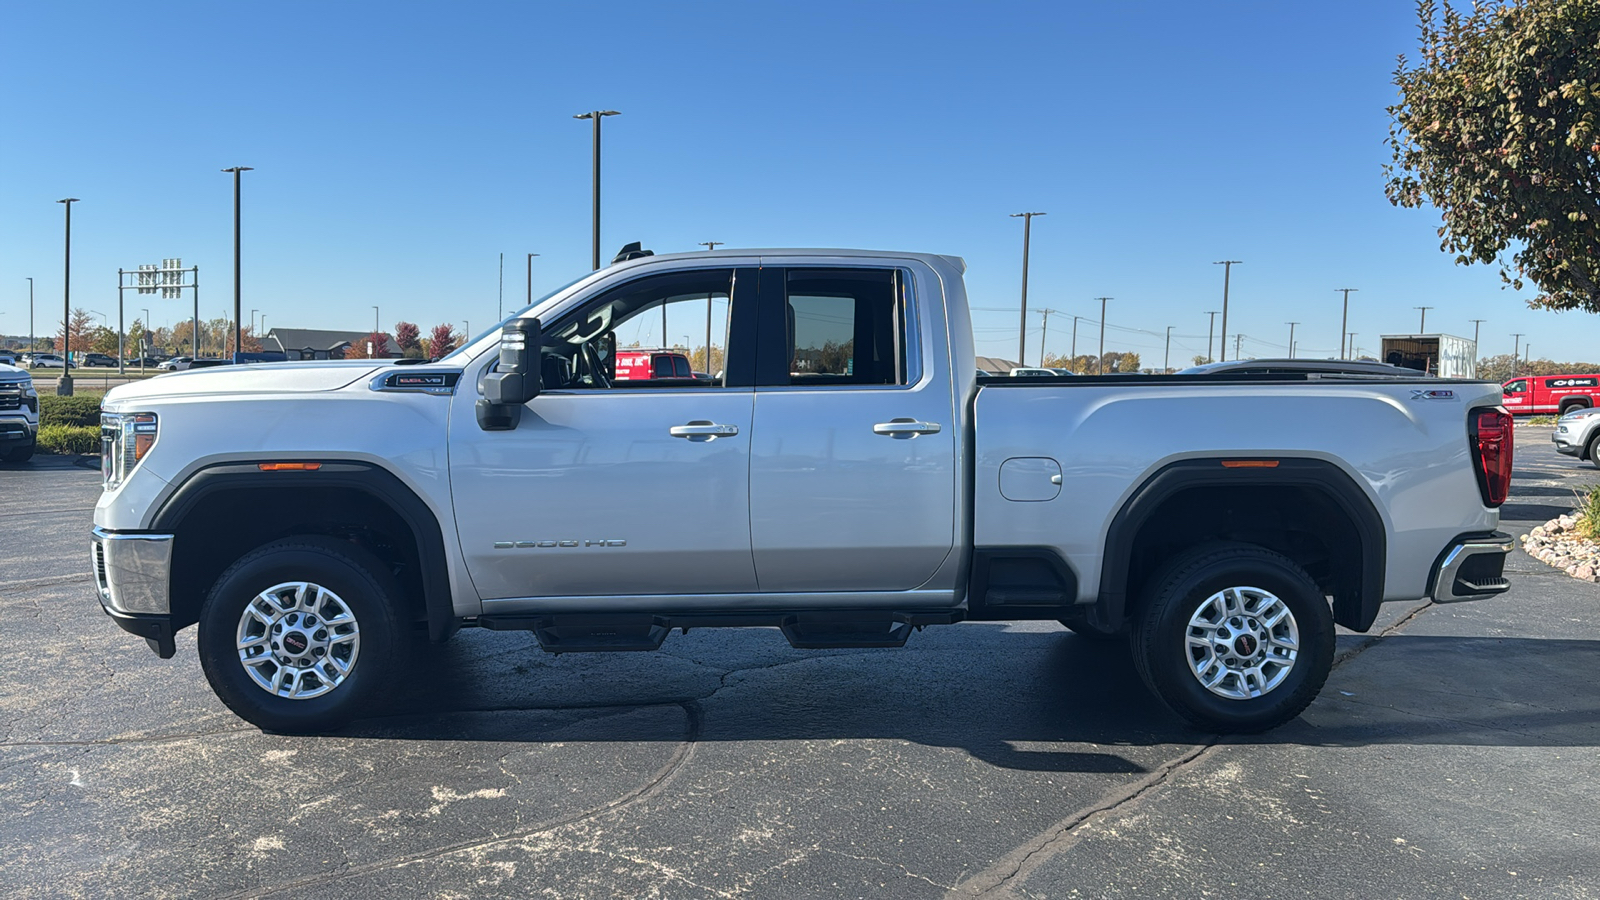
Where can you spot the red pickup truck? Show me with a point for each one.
(1559, 394)
(648, 365)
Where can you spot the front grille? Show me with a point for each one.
(10, 400)
(100, 580)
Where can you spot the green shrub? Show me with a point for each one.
(1540, 420)
(1588, 512)
(81, 410)
(69, 439)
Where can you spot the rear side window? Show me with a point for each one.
(846, 326)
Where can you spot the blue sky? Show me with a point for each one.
(400, 147)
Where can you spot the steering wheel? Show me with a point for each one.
(597, 369)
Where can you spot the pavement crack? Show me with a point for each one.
(642, 794)
(888, 865)
(1017, 865)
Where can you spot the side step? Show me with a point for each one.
(806, 630)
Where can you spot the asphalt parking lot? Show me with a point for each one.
(1455, 752)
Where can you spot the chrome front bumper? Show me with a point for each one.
(133, 572)
(1473, 569)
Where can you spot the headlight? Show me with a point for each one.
(125, 439)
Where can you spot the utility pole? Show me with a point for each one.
(530, 283)
(1516, 351)
(1227, 270)
(237, 171)
(1291, 337)
(1344, 320)
(500, 297)
(1022, 329)
(710, 246)
(1476, 324)
(64, 384)
(1527, 352)
(1422, 327)
(597, 115)
(1210, 332)
(1100, 363)
(1045, 314)
(144, 341)
(1075, 336)
(33, 346)
(1352, 353)
(1166, 360)
(1238, 340)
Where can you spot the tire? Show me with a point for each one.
(1215, 594)
(264, 598)
(22, 454)
(1569, 407)
(1591, 450)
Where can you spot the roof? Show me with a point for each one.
(287, 339)
(996, 365)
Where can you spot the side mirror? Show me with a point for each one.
(515, 380)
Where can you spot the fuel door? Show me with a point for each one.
(1030, 479)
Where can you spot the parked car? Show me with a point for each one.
(176, 364)
(1062, 371)
(1024, 371)
(143, 362)
(209, 363)
(100, 360)
(1558, 394)
(49, 361)
(881, 489)
(1578, 434)
(19, 414)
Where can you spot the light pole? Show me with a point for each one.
(1227, 271)
(1344, 320)
(710, 246)
(33, 346)
(253, 320)
(1476, 324)
(1422, 327)
(1210, 331)
(1352, 352)
(1291, 337)
(1022, 328)
(374, 320)
(1166, 358)
(64, 384)
(1516, 352)
(530, 282)
(1045, 317)
(1075, 336)
(597, 115)
(264, 330)
(1100, 364)
(237, 171)
(144, 340)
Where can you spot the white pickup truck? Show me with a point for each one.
(845, 478)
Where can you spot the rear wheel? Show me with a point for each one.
(1569, 407)
(1591, 451)
(301, 635)
(1235, 639)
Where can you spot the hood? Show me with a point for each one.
(12, 373)
(255, 378)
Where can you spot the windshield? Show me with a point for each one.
(495, 328)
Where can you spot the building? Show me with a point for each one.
(996, 366)
(313, 343)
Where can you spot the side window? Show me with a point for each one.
(654, 332)
(846, 326)
(1516, 387)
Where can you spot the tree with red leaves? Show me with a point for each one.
(442, 340)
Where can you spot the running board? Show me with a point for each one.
(806, 630)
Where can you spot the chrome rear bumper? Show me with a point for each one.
(1473, 569)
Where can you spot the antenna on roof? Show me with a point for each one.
(634, 250)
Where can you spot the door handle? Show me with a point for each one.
(702, 430)
(907, 428)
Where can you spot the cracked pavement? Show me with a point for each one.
(1453, 753)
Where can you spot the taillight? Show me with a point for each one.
(1491, 438)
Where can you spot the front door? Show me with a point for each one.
(613, 487)
(852, 477)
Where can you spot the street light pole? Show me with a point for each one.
(237, 171)
(1422, 327)
(1100, 364)
(1476, 324)
(1291, 337)
(1227, 271)
(1516, 352)
(64, 384)
(1166, 359)
(530, 282)
(1210, 331)
(1075, 336)
(597, 115)
(144, 340)
(33, 346)
(375, 320)
(1344, 320)
(1022, 329)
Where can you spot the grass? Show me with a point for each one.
(1588, 512)
(69, 439)
(1540, 420)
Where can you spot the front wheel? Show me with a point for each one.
(1235, 639)
(301, 635)
(1592, 451)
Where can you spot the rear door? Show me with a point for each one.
(852, 471)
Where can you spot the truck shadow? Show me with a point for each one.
(1037, 701)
